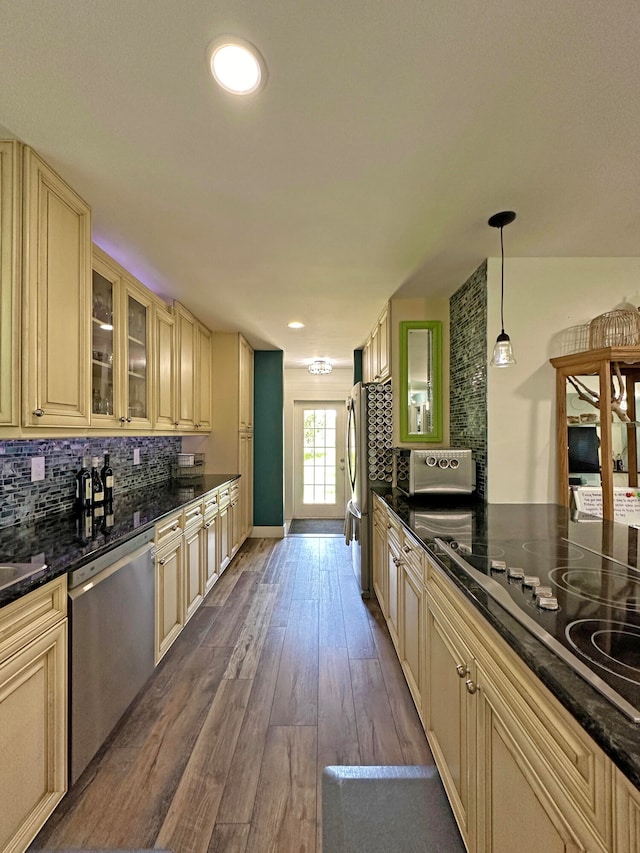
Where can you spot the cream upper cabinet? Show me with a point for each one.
(193, 374)
(376, 354)
(165, 368)
(185, 374)
(203, 370)
(245, 380)
(10, 218)
(121, 347)
(56, 300)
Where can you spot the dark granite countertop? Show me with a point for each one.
(613, 731)
(57, 541)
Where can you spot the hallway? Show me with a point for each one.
(282, 671)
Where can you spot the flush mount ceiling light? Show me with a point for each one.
(319, 367)
(502, 351)
(236, 65)
(295, 324)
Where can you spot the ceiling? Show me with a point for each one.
(387, 134)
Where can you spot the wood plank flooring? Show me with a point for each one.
(283, 671)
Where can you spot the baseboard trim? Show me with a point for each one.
(268, 532)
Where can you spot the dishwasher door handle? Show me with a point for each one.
(92, 582)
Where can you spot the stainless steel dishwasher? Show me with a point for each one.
(111, 602)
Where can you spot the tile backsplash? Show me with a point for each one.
(468, 372)
(20, 499)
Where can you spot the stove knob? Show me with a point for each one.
(430, 461)
(547, 602)
(498, 566)
(543, 592)
(515, 574)
(464, 548)
(454, 463)
(443, 463)
(530, 581)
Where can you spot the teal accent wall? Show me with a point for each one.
(268, 439)
(357, 366)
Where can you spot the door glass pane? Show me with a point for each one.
(319, 465)
(137, 358)
(102, 346)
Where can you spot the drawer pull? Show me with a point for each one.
(472, 687)
(208, 524)
(406, 549)
(462, 670)
(39, 413)
(175, 526)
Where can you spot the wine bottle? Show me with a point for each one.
(97, 489)
(106, 475)
(108, 516)
(83, 486)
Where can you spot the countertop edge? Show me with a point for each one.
(21, 588)
(615, 734)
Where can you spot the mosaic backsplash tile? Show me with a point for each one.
(468, 372)
(22, 500)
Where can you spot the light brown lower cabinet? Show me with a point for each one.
(33, 713)
(210, 560)
(170, 618)
(193, 560)
(194, 546)
(520, 773)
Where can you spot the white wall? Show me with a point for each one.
(543, 297)
(299, 384)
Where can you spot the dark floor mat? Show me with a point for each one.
(317, 526)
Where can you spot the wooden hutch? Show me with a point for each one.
(601, 363)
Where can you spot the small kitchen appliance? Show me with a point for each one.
(423, 472)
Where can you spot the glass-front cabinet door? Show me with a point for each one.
(120, 356)
(137, 359)
(103, 351)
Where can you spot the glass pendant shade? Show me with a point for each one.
(502, 352)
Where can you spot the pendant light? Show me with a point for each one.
(502, 351)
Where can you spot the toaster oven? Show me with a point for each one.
(446, 472)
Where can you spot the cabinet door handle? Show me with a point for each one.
(38, 413)
(124, 420)
(406, 549)
(208, 524)
(161, 562)
(176, 423)
(462, 670)
(472, 687)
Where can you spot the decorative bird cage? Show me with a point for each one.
(618, 328)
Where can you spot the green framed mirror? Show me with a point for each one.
(420, 380)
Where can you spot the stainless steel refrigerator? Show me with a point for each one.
(369, 460)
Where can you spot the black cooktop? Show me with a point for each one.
(585, 606)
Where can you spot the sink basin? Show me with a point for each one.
(13, 572)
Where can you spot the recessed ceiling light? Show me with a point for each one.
(236, 65)
(296, 325)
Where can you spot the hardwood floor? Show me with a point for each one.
(283, 671)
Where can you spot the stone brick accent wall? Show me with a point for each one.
(468, 372)
(20, 499)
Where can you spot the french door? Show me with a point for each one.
(319, 459)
